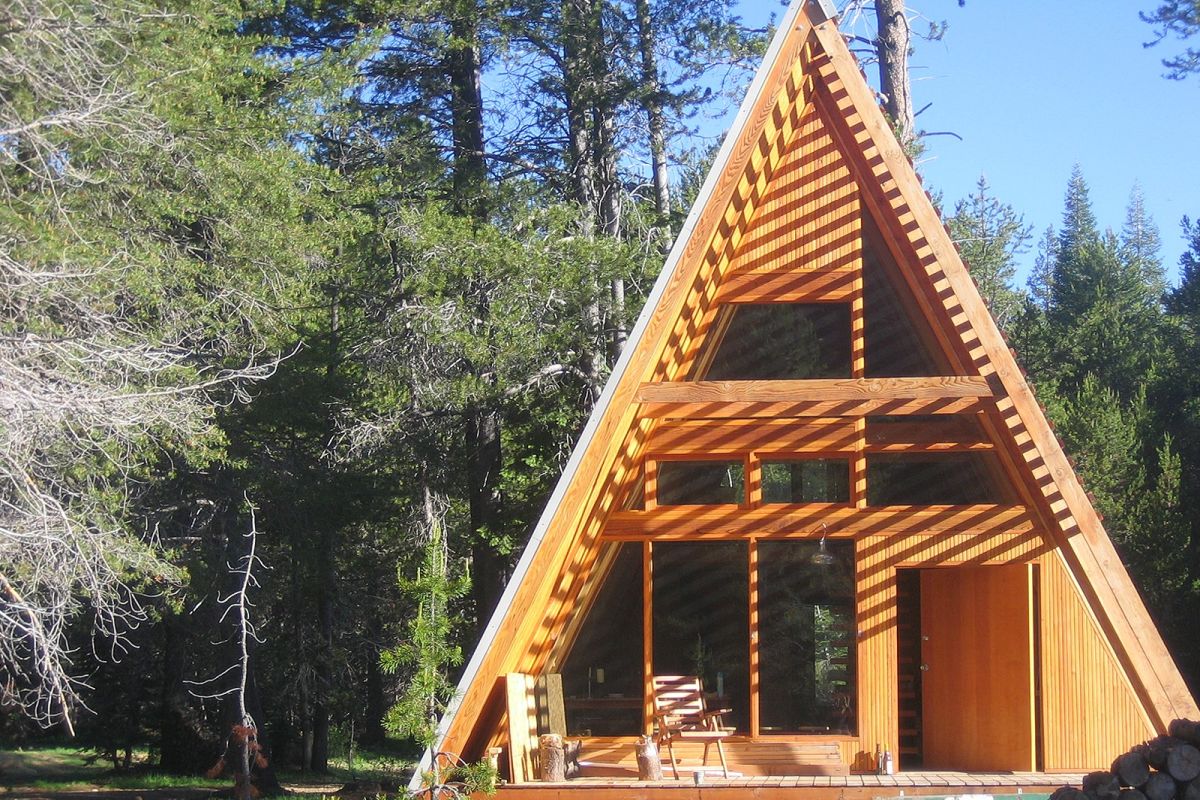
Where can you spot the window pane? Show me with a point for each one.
(784, 341)
(894, 344)
(955, 479)
(806, 637)
(702, 620)
(602, 675)
(810, 481)
(683, 483)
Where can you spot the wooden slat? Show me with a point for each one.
(713, 438)
(819, 390)
(811, 520)
(732, 437)
(522, 726)
(838, 408)
(807, 286)
(1080, 673)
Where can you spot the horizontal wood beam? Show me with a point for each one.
(809, 436)
(737, 436)
(841, 408)
(813, 520)
(809, 286)
(817, 390)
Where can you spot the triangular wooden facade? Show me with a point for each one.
(810, 197)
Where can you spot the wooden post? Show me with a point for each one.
(648, 761)
(552, 757)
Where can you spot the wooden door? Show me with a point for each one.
(977, 652)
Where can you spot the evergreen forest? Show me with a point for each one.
(303, 305)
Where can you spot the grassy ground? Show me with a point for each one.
(65, 772)
(65, 769)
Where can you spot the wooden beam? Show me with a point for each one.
(839, 408)
(812, 520)
(708, 438)
(819, 390)
(811, 286)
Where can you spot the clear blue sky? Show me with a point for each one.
(1036, 87)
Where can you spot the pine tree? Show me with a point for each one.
(1180, 18)
(990, 234)
(1041, 279)
(1141, 244)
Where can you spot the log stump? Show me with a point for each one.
(1132, 769)
(552, 758)
(1183, 762)
(1161, 786)
(648, 761)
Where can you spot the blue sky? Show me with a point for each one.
(1036, 87)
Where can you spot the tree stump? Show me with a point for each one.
(648, 761)
(552, 757)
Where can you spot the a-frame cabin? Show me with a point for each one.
(818, 480)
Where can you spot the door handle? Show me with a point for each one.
(924, 668)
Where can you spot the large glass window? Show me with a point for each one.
(682, 483)
(814, 480)
(702, 620)
(602, 674)
(784, 341)
(949, 479)
(806, 637)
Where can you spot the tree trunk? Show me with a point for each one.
(483, 475)
(656, 120)
(376, 704)
(894, 42)
(578, 86)
(464, 67)
(183, 747)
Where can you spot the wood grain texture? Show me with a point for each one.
(713, 438)
(521, 713)
(824, 286)
(1082, 680)
(816, 519)
(822, 390)
(977, 650)
(809, 216)
(816, 408)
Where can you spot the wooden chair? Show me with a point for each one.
(680, 713)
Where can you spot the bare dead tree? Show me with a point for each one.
(88, 390)
(243, 751)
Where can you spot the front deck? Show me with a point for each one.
(805, 787)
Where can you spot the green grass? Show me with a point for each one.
(62, 769)
(368, 765)
(57, 769)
